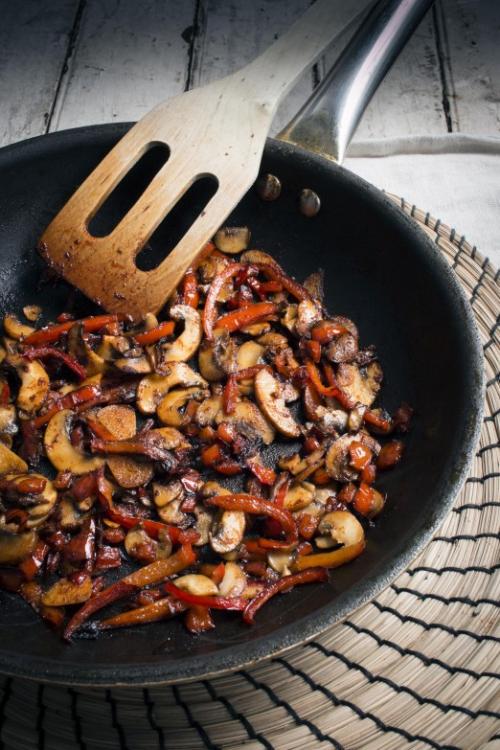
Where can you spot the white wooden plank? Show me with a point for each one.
(409, 100)
(129, 56)
(33, 43)
(233, 33)
(471, 38)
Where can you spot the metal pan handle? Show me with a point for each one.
(329, 118)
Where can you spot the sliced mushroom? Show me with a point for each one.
(168, 498)
(362, 384)
(60, 452)
(139, 365)
(314, 284)
(111, 347)
(119, 420)
(299, 495)
(69, 516)
(234, 581)
(79, 347)
(232, 240)
(204, 520)
(268, 392)
(65, 592)
(225, 353)
(186, 345)
(249, 354)
(207, 363)
(227, 532)
(248, 420)
(10, 461)
(273, 341)
(34, 383)
(169, 409)
(280, 561)
(208, 270)
(257, 256)
(32, 312)
(15, 329)
(43, 502)
(14, 548)
(344, 348)
(257, 329)
(69, 387)
(153, 388)
(208, 410)
(337, 459)
(339, 527)
(197, 584)
(289, 319)
(308, 313)
(8, 422)
(330, 420)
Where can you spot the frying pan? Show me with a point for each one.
(380, 270)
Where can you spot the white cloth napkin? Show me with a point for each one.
(455, 177)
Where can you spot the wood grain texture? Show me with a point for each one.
(470, 31)
(33, 43)
(231, 34)
(129, 56)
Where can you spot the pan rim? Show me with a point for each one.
(264, 647)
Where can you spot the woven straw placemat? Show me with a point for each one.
(417, 667)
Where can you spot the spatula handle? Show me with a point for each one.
(274, 72)
(328, 120)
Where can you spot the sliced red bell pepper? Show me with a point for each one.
(230, 394)
(245, 316)
(210, 309)
(161, 609)
(275, 273)
(257, 506)
(286, 583)
(153, 573)
(49, 334)
(155, 334)
(83, 395)
(212, 602)
(42, 352)
(190, 294)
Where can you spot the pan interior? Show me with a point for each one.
(381, 271)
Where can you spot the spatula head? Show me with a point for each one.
(218, 130)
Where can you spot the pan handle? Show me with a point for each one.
(327, 121)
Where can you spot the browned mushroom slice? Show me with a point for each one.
(289, 319)
(34, 383)
(343, 349)
(129, 472)
(207, 363)
(234, 581)
(257, 256)
(32, 312)
(248, 420)
(314, 284)
(60, 452)
(227, 531)
(79, 347)
(65, 592)
(308, 313)
(139, 365)
(249, 354)
(257, 329)
(337, 461)
(42, 503)
(185, 346)
(232, 240)
(339, 527)
(10, 461)
(168, 499)
(299, 495)
(208, 410)
(225, 352)
(118, 419)
(362, 384)
(14, 548)
(273, 341)
(153, 388)
(268, 392)
(15, 329)
(170, 408)
(8, 422)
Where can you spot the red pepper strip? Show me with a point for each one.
(230, 394)
(99, 429)
(245, 316)
(279, 499)
(198, 620)
(332, 559)
(284, 584)
(212, 602)
(50, 334)
(228, 468)
(152, 528)
(153, 573)
(41, 352)
(250, 372)
(258, 506)
(158, 610)
(264, 474)
(210, 309)
(190, 295)
(74, 398)
(155, 334)
(276, 273)
(314, 377)
(384, 425)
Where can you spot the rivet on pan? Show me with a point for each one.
(309, 202)
(268, 187)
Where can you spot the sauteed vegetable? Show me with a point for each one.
(136, 463)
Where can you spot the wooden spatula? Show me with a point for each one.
(220, 130)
